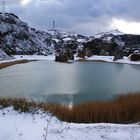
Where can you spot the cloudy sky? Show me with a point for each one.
(83, 16)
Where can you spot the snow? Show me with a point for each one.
(42, 126)
(30, 57)
(136, 51)
(81, 40)
(113, 32)
(35, 57)
(125, 60)
(107, 39)
(116, 32)
(109, 59)
(56, 40)
(67, 39)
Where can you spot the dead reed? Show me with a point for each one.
(124, 109)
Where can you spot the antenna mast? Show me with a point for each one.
(3, 7)
(53, 25)
(54, 28)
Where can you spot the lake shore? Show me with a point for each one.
(123, 109)
(19, 59)
(19, 118)
(10, 63)
(108, 59)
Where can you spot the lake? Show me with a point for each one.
(69, 83)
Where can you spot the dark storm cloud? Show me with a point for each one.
(86, 16)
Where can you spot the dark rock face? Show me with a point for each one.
(101, 47)
(119, 55)
(64, 56)
(3, 55)
(113, 45)
(131, 43)
(135, 57)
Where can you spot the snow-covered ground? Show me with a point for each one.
(125, 60)
(42, 126)
(29, 57)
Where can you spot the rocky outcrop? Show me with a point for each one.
(98, 46)
(135, 57)
(64, 56)
(3, 55)
(119, 55)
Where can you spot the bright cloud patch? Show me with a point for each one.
(24, 2)
(126, 27)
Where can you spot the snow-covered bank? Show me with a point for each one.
(125, 60)
(41, 126)
(29, 57)
(109, 59)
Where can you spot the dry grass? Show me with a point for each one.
(124, 109)
(7, 64)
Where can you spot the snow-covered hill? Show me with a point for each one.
(16, 37)
(110, 33)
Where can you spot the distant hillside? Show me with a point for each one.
(16, 37)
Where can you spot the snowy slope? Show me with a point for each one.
(16, 37)
(110, 33)
(42, 126)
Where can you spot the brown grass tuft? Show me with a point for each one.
(124, 109)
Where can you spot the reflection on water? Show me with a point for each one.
(119, 67)
(69, 83)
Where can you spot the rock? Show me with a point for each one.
(81, 54)
(135, 57)
(64, 56)
(3, 55)
(119, 55)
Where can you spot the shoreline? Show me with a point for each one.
(108, 59)
(112, 111)
(11, 63)
(20, 59)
